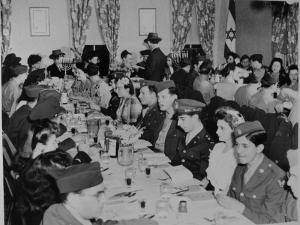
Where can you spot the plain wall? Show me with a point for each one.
(254, 30)
(23, 44)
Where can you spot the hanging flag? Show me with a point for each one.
(230, 38)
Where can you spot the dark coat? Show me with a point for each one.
(113, 106)
(194, 155)
(155, 65)
(172, 139)
(18, 127)
(54, 71)
(263, 195)
(151, 122)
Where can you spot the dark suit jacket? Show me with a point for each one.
(151, 123)
(155, 65)
(262, 195)
(56, 72)
(194, 155)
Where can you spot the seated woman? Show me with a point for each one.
(44, 138)
(169, 68)
(12, 90)
(130, 107)
(37, 188)
(193, 150)
(276, 71)
(82, 85)
(220, 174)
(256, 188)
(264, 99)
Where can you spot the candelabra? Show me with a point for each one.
(66, 63)
(178, 56)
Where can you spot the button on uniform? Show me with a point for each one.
(184, 151)
(183, 160)
(242, 194)
(254, 196)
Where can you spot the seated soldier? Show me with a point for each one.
(256, 188)
(81, 186)
(193, 150)
(167, 135)
(151, 117)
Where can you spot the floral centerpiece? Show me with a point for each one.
(128, 134)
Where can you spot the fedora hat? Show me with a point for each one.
(152, 36)
(56, 53)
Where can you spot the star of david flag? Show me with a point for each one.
(230, 38)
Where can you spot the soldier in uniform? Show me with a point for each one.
(151, 117)
(256, 188)
(168, 133)
(141, 66)
(193, 149)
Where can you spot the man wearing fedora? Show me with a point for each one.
(156, 61)
(10, 60)
(55, 70)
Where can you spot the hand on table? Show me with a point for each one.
(230, 203)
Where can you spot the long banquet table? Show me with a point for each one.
(202, 208)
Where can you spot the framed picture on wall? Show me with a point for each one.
(147, 21)
(39, 21)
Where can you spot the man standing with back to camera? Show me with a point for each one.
(156, 61)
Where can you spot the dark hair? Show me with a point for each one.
(206, 67)
(126, 86)
(152, 89)
(124, 54)
(33, 59)
(222, 114)
(53, 159)
(281, 65)
(39, 126)
(24, 97)
(231, 54)
(291, 67)
(173, 91)
(257, 138)
(38, 191)
(245, 57)
(229, 67)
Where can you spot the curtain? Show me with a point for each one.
(181, 22)
(285, 34)
(80, 14)
(5, 27)
(292, 34)
(108, 15)
(205, 12)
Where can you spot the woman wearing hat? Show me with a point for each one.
(193, 150)
(81, 88)
(256, 188)
(264, 99)
(12, 90)
(10, 60)
(55, 69)
(220, 174)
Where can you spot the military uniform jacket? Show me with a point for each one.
(194, 155)
(263, 195)
(151, 123)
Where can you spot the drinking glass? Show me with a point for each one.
(165, 190)
(162, 208)
(128, 177)
(142, 164)
(104, 157)
(148, 171)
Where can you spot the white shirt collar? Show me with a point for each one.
(77, 215)
(192, 134)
